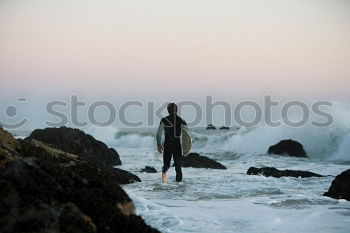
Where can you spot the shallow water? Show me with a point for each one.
(229, 200)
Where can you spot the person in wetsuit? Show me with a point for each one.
(171, 125)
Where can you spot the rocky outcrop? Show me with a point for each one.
(211, 126)
(149, 169)
(44, 189)
(197, 161)
(340, 187)
(38, 196)
(288, 147)
(75, 141)
(34, 148)
(274, 172)
(8, 144)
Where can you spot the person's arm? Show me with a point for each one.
(159, 137)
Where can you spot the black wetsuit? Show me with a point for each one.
(172, 145)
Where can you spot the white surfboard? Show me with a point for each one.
(186, 141)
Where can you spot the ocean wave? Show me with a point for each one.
(343, 151)
(331, 143)
(135, 140)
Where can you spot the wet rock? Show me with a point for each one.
(274, 172)
(76, 142)
(340, 187)
(288, 147)
(197, 161)
(211, 126)
(149, 169)
(225, 127)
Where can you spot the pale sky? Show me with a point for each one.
(144, 48)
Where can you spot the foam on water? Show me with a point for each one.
(331, 143)
(231, 201)
(104, 134)
(343, 151)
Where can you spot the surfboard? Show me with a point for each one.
(186, 141)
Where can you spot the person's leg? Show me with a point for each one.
(166, 161)
(177, 153)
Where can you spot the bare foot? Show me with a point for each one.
(164, 178)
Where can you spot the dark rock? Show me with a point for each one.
(85, 168)
(72, 219)
(75, 141)
(197, 161)
(48, 190)
(149, 169)
(340, 187)
(211, 126)
(38, 196)
(224, 127)
(274, 172)
(8, 144)
(288, 147)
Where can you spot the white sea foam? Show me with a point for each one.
(332, 142)
(343, 151)
(231, 201)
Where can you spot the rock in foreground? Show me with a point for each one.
(274, 172)
(75, 141)
(288, 147)
(197, 161)
(38, 196)
(34, 148)
(340, 188)
(44, 189)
